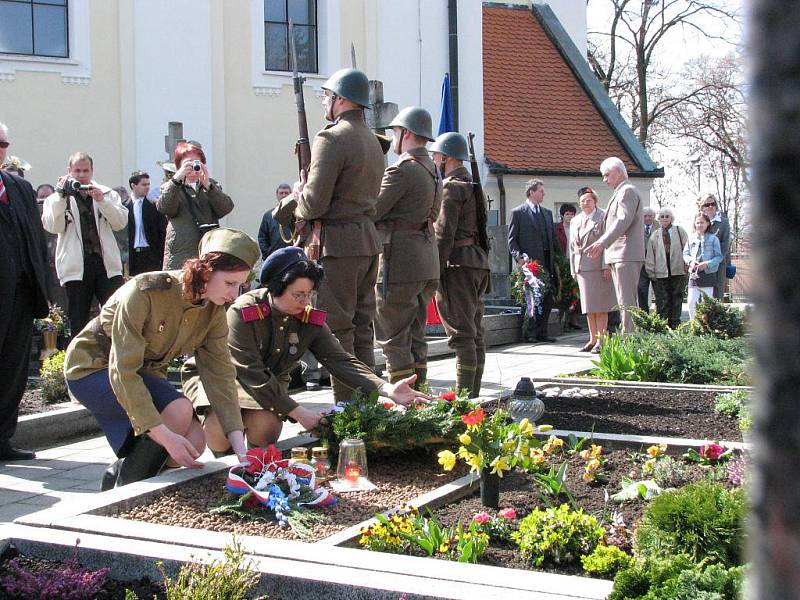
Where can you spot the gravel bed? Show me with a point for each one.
(399, 480)
(671, 413)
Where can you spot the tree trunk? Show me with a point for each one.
(774, 543)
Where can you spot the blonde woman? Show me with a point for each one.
(593, 274)
(665, 267)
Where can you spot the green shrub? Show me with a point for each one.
(620, 359)
(54, 386)
(647, 321)
(702, 520)
(605, 561)
(735, 404)
(712, 317)
(669, 472)
(682, 358)
(229, 578)
(557, 534)
(677, 578)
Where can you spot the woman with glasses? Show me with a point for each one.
(665, 267)
(720, 227)
(270, 330)
(703, 256)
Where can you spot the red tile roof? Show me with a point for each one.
(537, 115)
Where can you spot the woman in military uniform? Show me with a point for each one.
(270, 330)
(117, 365)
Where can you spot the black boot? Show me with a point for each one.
(476, 384)
(109, 480)
(145, 460)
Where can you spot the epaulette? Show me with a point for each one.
(255, 312)
(154, 281)
(313, 316)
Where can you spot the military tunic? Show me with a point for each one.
(407, 206)
(464, 278)
(267, 344)
(144, 325)
(343, 182)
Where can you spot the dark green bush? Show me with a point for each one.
(712, 317)
(54, 386)
(702, 520)
(648, 321)
(677, 578)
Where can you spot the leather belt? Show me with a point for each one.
(463, 243)
(398, 225)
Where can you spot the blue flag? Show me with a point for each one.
(446, 116)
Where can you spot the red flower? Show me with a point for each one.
(258, 458)
(507, 513)
(534, 267)
(388, 405)
(711, 451)
(449, 396)
(475, 417)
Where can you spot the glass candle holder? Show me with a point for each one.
(352, 465)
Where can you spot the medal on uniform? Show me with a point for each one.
(162, 326)
(293, 340)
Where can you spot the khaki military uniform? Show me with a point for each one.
(343, 183)
(143, 326)
(183, 235)
(409, 267)
(267, 344)
(464, 278)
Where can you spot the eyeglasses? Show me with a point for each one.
(708, 204)
(4, 144)
(664, 217)
(303, 296)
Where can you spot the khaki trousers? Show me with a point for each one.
(625, 276)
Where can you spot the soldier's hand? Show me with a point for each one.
(307, 418)
(181, 450)
(402, 392)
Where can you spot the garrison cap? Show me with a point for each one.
(230, 241)
(280, 261)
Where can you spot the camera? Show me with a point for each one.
(196, 165)
(72, 187)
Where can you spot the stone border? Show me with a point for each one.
(54, 426)
(640, 384)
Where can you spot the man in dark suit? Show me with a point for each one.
(532, 233)
(147, 228)
(23, 294)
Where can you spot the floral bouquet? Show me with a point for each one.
(529, 284)
(53, 322)
(268, 487)
(495, 442)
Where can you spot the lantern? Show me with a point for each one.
(524, 403)
(352, 466)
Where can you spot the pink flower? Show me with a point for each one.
(507, 513)
(711, 451)
(482, 518)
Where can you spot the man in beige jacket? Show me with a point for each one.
(623, 239)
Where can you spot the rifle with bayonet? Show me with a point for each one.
(480, 197)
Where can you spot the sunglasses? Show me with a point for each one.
(4, 144)
(707, 204)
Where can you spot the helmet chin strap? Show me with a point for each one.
(330, 116)
(400, 141)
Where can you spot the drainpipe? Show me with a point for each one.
(502, 208)
(452, 32)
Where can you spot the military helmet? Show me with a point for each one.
(350, 84)
(417, 120)
(451, 144)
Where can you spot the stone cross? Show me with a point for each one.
(382, 112)
(174, 135)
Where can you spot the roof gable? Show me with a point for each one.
(544, 110)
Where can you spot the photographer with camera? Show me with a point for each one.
(193, 203)
(85, 215)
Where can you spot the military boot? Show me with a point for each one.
(145, 460)
(465, 377)
(109, 480)
(397, 375)
(476, 385)
(421, 371)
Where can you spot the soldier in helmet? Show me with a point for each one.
(464, 263)
(407, 206)
(343, 182)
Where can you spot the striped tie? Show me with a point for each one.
(3, 194)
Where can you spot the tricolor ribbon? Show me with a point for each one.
(236, 484)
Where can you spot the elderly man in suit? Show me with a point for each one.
(147, 228)
(23, 294)
(623, 240)
(532, 234)
(648, 215)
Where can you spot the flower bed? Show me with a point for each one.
(652, 411)
(398, 479)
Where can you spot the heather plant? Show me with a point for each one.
(702, 520)
(65, 581)
(230, 578)
(605, 561)
(54, 386)
(669, 472)
(559, 535)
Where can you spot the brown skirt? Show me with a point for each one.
(597, 293)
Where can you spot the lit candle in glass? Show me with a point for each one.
(352, 472)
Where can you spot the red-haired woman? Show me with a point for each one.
(193, 203)
(117, 365)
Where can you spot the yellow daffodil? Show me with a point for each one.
(465, 439)
(447, 459)
(444, 548)
(499, 465)
(649, 465)
(593, 465)
(474, 462)
(525, 427)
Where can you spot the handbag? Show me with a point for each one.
(730, 271)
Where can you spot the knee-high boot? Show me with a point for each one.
(476, 385)
(146, 459)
